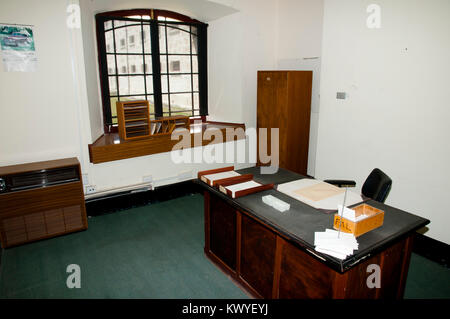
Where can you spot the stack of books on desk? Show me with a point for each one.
(331, 242)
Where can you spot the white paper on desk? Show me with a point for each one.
(217, 176)
(241, 186)
(344, 239)
(329, 203)
(333, 243)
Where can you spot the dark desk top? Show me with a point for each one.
(301, 221)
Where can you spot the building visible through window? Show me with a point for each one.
(162, 60)
(174, 66)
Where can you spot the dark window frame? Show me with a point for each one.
(154, 23)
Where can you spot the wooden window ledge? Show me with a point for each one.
(109, 147)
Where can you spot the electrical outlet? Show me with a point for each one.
(90, 189)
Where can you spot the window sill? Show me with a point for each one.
(109, 147)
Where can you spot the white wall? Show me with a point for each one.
(39, 111)
(396, 114)
(238, 46)
(299, 46)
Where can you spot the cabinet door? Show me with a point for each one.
(303, 277)
(258, 246)
(222, 231)
(272, 110)
(297, 129)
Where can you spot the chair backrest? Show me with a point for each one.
(377, 185)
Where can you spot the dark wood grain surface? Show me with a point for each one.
(284, 102)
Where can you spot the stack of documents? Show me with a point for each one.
(331, 242)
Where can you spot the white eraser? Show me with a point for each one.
(276, 203)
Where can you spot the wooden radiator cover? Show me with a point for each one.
(41, 212)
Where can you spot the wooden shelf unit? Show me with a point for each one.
(133, 118)
(166, 125)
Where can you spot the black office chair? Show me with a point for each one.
(376, 186)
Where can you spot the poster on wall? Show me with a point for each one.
(18, 49)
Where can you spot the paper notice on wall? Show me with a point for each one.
(18, 48)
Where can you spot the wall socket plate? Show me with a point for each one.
(90, 189)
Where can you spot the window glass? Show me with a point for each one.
(131, 85)
(178, 42)
(180, 83)
(127, 57)
(180, 63)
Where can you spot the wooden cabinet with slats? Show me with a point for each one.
(134, 121)
(40, 200)
(133, 118)
(284, 102)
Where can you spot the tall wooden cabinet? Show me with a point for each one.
(284, 102)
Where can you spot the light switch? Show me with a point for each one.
(341, 95)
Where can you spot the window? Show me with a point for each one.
(160, 59)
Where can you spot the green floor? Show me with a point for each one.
(154, 251)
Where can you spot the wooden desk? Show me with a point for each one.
(271, 254)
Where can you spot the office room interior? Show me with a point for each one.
(136, 220)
